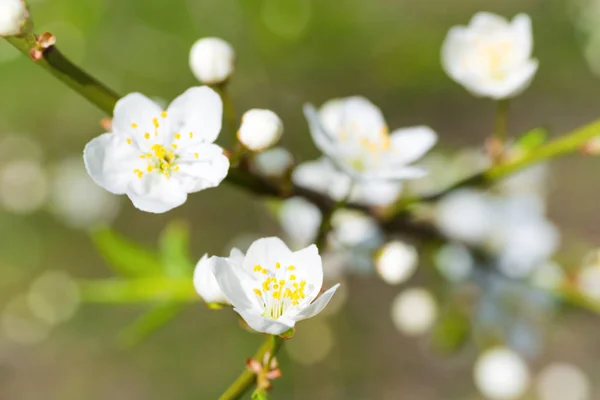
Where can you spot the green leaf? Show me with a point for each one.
(260, 394)
(148, 323)
(532, 139)
(124, 256)
(451, 331)
(143, 290)
(174, 250)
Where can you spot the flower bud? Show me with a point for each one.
(260, 129)
(396, 262)
(212, 60)
(13, 15)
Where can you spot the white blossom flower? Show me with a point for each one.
(212, 60)
(260, 129)
(157, 157)
(273, 162)
(352, 228)
(414, 311)
(492, 56)
(454, 261)
(273, 288)
(204, 278)
(396, 262)
(353, 133)
(322, 176)
(559, 381)
(501, 374)
(300, 219)
(13, 15)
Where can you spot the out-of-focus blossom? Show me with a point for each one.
(300, 220)
(465, 215)
(13, 15)
(273, 162)
(560, 381)
(312, 344)
(157, 157)
(76, 199)
(204, 278)
(322, 176)
(414, 311)
(212, 60)
(396, 262)
(455, 262)
(588, 277)
(492, 56)
(260, 129)
(353, 133)
(273, 287)
(23, 186)
(548, 276)
(501, 374)
(20, 325)
(54, 297)
(353, 228)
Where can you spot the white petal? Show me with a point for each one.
(485, 22)
(318, 305)
(322, 139)
(156, 193)
(513, 85)
(265, 325)
(266, 252)
(231, 281)
(236, 257)
(351, 113)
(110, 161)
(201, 166)
(523, 40)
(452, 52)
(308, 266)
(410, 144)
(199, 110)
(393, 174)
(205, 282)
(133, 118)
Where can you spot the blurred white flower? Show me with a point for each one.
(204, 278)
(312, 343)
(54, 297)
(588, 281)
(157, 157)
(548, 275)
(260, 129)
(561, 381)
(414, 311)
(455, 262)
(492, 56)
(300, 220)
(23, 186)
(465, 215)
(501, 374)
(532, 182)
(212, 60)
(322, 176)
(77, 200)
(396, 262)
(273, 162)
(353, 133)
(352, 228)
(13, 15)
(273, 287)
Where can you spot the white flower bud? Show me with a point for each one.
(13, 14)
(260, 129)
(212, 60)
(396, 262)
(414, 311)
(501, 374)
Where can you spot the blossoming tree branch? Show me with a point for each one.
(350, 203)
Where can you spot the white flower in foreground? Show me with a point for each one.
(492, 56)
(13, 14)
(157, 157)
(273, 162)
(414, 311)
(300, 219)
(273, 288)
(501, 374)
(396, 262)
(353, 133)
(204, 278)
(260, 129)
(559, 381)
(322, 176)
(212, 60)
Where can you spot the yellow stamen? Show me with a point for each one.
(134, 125)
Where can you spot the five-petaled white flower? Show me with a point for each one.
(13, 14)
(492, 56)
(353, 134)
(204, 278)
(273, 288)
(157, 157)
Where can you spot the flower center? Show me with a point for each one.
(279, 290)
(495, 54)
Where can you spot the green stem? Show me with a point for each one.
(62, 68)
(501, 123)
(247, 378)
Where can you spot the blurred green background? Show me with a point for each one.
(289, 52)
